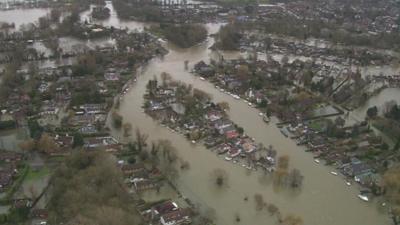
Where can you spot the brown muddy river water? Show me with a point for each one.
(324, 199)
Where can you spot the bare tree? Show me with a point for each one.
(224, 106)
(292, 220)
(259, 200)
(28, 145)
(141, 139)
(169, 152)
(127, 129)
(165, 78)
(47, 144)
(295, 178)
(272, 209)
(220, 177)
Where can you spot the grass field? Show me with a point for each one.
(37, 174)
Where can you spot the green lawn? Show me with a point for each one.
(37, 174)
(317, 125)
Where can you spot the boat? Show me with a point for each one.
(348, 183)
(193, 142)
(202, 78)
(334, 173)
(222, 151)
(235, 96)
(284, 132)
(228, 158)
(316, 161)
(363, 197)
(233, 152)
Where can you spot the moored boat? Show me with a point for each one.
(363, 197)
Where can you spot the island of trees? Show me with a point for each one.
(184, 36)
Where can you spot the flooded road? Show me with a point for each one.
(323, 200)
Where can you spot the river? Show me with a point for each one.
(324, 198)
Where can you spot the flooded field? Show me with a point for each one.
(22, 16)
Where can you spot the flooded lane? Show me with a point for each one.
(324, 199)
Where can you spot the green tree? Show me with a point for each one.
(78, 140)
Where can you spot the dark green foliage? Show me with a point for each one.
(184, 36)
(394, 113)
(372, 112)
(228, 38)
(78, 140)
(35, 129)
(90, 95)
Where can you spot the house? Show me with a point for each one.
(213, 116)
(221, 124)
(81, 120)
(179, 216)
(144, 184)
(155, 105)
(164, 208)
(88, 129)
(317, 142)
(203, 69)
(64, 141)
(99, 142)
(49, 108)
(40, 213)
(8, 156)
(356, 168)
(111, 76)
(22, 203)
(93, 108)
(249, 147)
(363, 145)
(130, 169)
(231, 134)
(6, 178)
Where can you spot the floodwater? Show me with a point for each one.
(379, 100)
(22, 16)
(10, 139)
(113, 20)
(324, 198)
